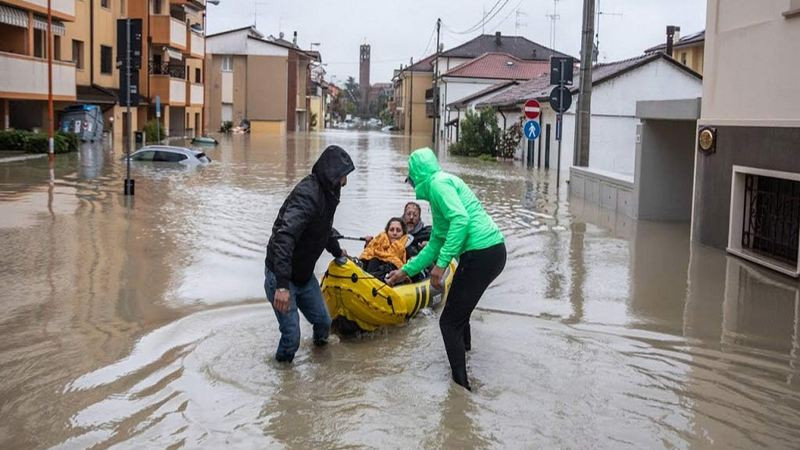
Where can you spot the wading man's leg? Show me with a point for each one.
(289, 322)
(312, 305)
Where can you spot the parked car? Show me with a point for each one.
(170, 154)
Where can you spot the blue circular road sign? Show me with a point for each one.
(532, 129)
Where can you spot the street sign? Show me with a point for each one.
(560, 99)
(532, 129)
(561, 70)
(158, 106)
(532, 109)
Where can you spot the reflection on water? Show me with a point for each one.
(142, 321)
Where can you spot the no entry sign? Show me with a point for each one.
(532, 109)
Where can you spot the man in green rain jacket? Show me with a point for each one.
(462, 230)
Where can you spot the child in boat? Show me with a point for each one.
(386, 251)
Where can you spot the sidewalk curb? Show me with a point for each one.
(22, 158)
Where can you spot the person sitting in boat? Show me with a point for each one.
(387, 251)
(420, 233)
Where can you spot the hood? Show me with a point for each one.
(422, 166)
(332, 165)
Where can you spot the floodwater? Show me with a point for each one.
(143, 324)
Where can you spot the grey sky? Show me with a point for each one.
(400, 29)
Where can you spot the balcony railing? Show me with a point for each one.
(169, 31)
(63, 9)
(173, 70)
(195, 94)
(171, 90)
(26, 77)
(196, 44)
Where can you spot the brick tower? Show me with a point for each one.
(363, 78)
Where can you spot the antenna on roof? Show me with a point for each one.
(518, 22)
(553, 18)
(596, 50)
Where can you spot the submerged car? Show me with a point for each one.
(170, 154)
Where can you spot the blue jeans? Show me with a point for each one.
(308, 298)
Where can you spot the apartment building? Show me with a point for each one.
(23, 62)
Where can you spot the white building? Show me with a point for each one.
(616, 89)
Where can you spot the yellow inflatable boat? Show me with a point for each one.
(357, 300)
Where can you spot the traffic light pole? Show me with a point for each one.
(129, 184)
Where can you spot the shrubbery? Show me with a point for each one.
(478, 135)
(509, 140)
(153, 132)
(31, 142)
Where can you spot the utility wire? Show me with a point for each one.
(483, 21)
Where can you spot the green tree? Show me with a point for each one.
(479, 134)
(352, 95)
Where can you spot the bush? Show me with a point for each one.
(509, 140)
(226, 127)
(37, 142)
(479, 134)
(312, 122)
(153, 131)
(13, 139)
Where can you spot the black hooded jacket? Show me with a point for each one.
(304, 224)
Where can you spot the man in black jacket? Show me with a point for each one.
(303, 228)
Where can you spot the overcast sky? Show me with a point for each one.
(400, 29)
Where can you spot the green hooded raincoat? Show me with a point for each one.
(459, 222)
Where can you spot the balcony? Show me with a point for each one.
(196, 44)
(195, 94)
(171, 90)
(62, 9)
(169, 31)
(33, 85)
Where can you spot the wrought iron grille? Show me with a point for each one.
(173, 70)
(771, 219)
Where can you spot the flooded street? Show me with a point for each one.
(142, 322)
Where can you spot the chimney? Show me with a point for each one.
(673, 33)
(497, 38)
(294, 39)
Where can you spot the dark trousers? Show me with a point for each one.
(476, 270)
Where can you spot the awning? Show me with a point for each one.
(40, 23)
(13, 16)
(173, 54)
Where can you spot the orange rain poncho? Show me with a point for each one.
(392, 252)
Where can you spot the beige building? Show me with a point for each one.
(23, 62)
(410, 106)
(263, 80)
(747, 170)
(90, 43)
(172, 60)
(688, 50)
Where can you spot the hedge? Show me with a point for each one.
(31, 142)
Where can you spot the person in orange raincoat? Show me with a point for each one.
(386, 251)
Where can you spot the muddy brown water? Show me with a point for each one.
(142, 323)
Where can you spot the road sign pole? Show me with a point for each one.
(129, 189)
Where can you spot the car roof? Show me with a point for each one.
(170, 148)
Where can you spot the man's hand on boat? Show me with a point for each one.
(396, 276)
(437, 274)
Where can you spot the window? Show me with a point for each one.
(104, 3)
(39, 43)
(169, 157)
(197, 77)
(156, 6)
(57, 47)
(143, 156)
(227, 64)
(77, 53)
(105, 59)
(771, 223)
